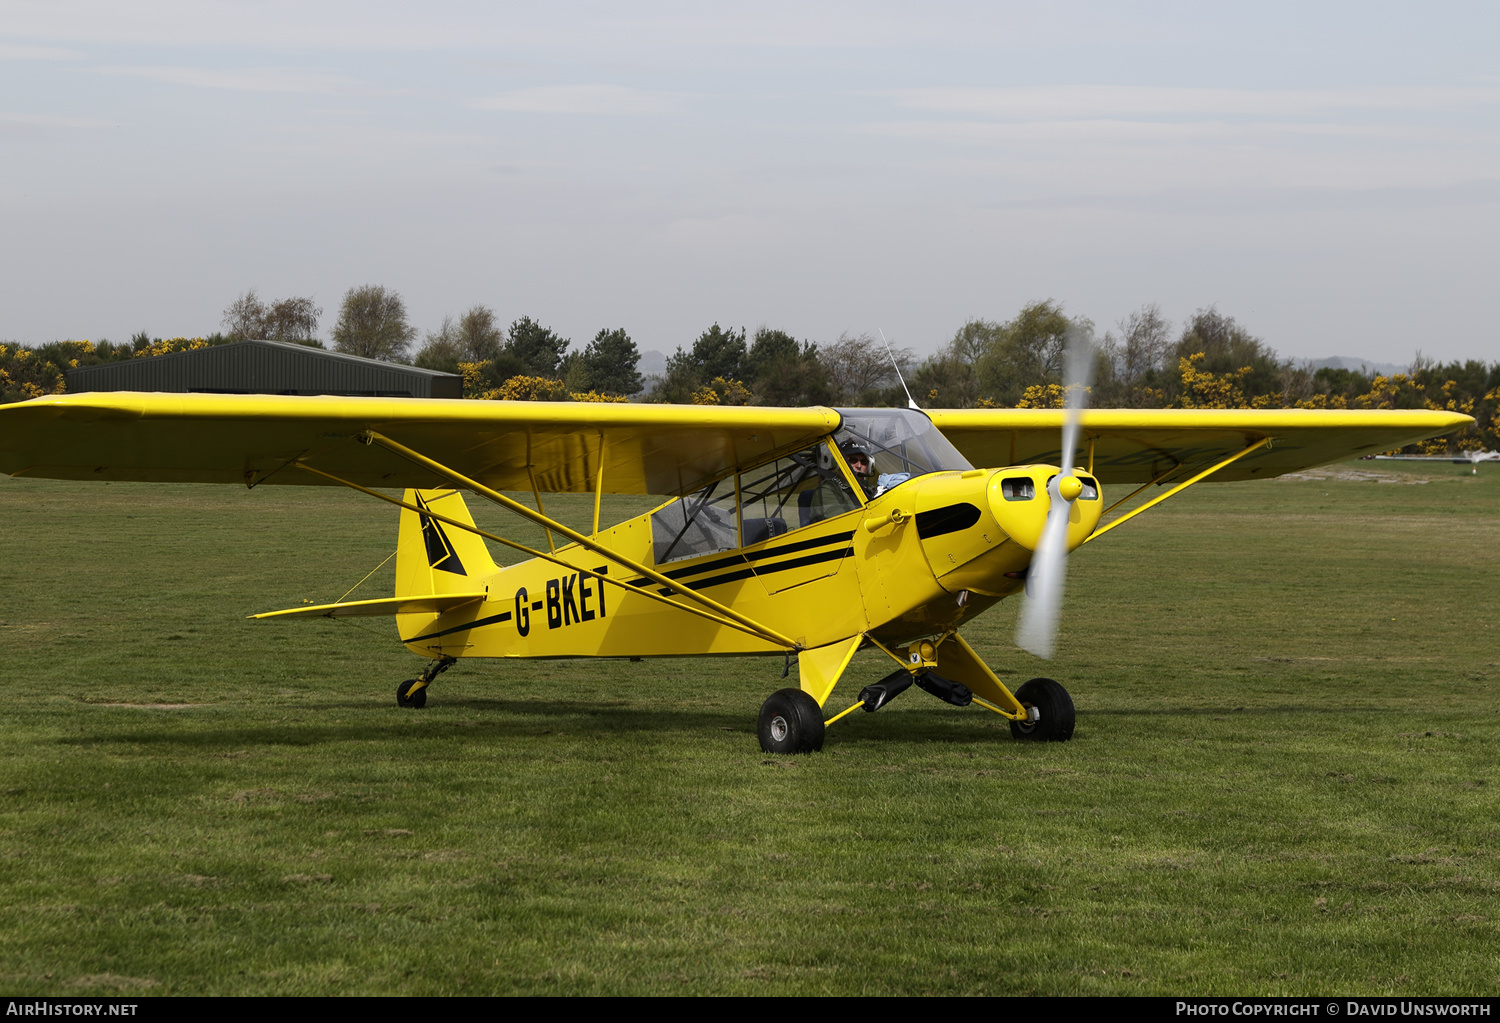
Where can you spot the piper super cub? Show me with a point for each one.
(806, 532)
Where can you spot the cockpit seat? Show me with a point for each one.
(756, 530)
(805, 508)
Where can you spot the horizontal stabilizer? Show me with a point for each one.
(432, 603)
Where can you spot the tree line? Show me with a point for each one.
(1142, 361)
(520, 361)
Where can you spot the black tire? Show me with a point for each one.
(406, 698)
(1054, 708)
(790, 722)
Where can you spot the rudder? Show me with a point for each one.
(433, 556)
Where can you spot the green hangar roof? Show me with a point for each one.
(266, 367)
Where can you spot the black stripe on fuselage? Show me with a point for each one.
(780, 566)
(718, 580)
(801, 545)
(503, 616)
(751, 556)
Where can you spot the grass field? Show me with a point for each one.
(1284, 777)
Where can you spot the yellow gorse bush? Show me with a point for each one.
(523, 388)
(1201, 389)
(1045, 396)
(23, 375)
(1042, 396)
(722, 392)
(169, 345)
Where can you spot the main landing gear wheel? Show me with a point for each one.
(1054, 712)
(790, 722)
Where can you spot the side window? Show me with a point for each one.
(793, 492)
(785, 495)
(698, 524)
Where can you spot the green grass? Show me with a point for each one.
(1283, 778)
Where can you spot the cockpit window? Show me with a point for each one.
(903, 443)
(793, 492)
(796, 490)
(700, 523)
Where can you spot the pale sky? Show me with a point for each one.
(1328, 174)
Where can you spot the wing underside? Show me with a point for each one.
(1139, 445)
(558, 447)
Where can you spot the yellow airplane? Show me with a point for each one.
(797, 532)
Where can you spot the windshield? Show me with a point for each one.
(901, 442)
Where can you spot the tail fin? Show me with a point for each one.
(434, 557)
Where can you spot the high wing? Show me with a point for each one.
(644, 449)
(1139, 445)
(254, 439)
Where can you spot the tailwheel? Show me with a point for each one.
(1054, 712)
(790, 722)
(413, 692)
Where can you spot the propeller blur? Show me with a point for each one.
(1036, 626)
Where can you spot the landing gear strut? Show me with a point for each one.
(413, 692)
(1045, 713)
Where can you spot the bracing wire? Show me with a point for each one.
(371, 572)
(910, 401)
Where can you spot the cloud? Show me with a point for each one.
(611, 100)
(733, 229)
(33, 127)
(1251, 201)
(51, 121)
(1093, 102)
(12, 52)
(1113, 131)
(596, 27)
(249, 79)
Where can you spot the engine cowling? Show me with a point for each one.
(979, 528)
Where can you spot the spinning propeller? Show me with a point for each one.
(1036, 628)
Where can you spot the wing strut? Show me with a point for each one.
(720, 611)
(1157, 479)
(599, 483)
(767, 635)
(1263, 442)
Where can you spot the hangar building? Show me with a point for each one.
(266, 367)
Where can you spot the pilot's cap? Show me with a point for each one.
(852, 449)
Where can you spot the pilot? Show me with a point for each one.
(833, 495)
(863, 468)
(860, 464)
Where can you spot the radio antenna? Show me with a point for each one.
(910, 401)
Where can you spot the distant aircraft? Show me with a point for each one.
(1472, 458)
(804, 533)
